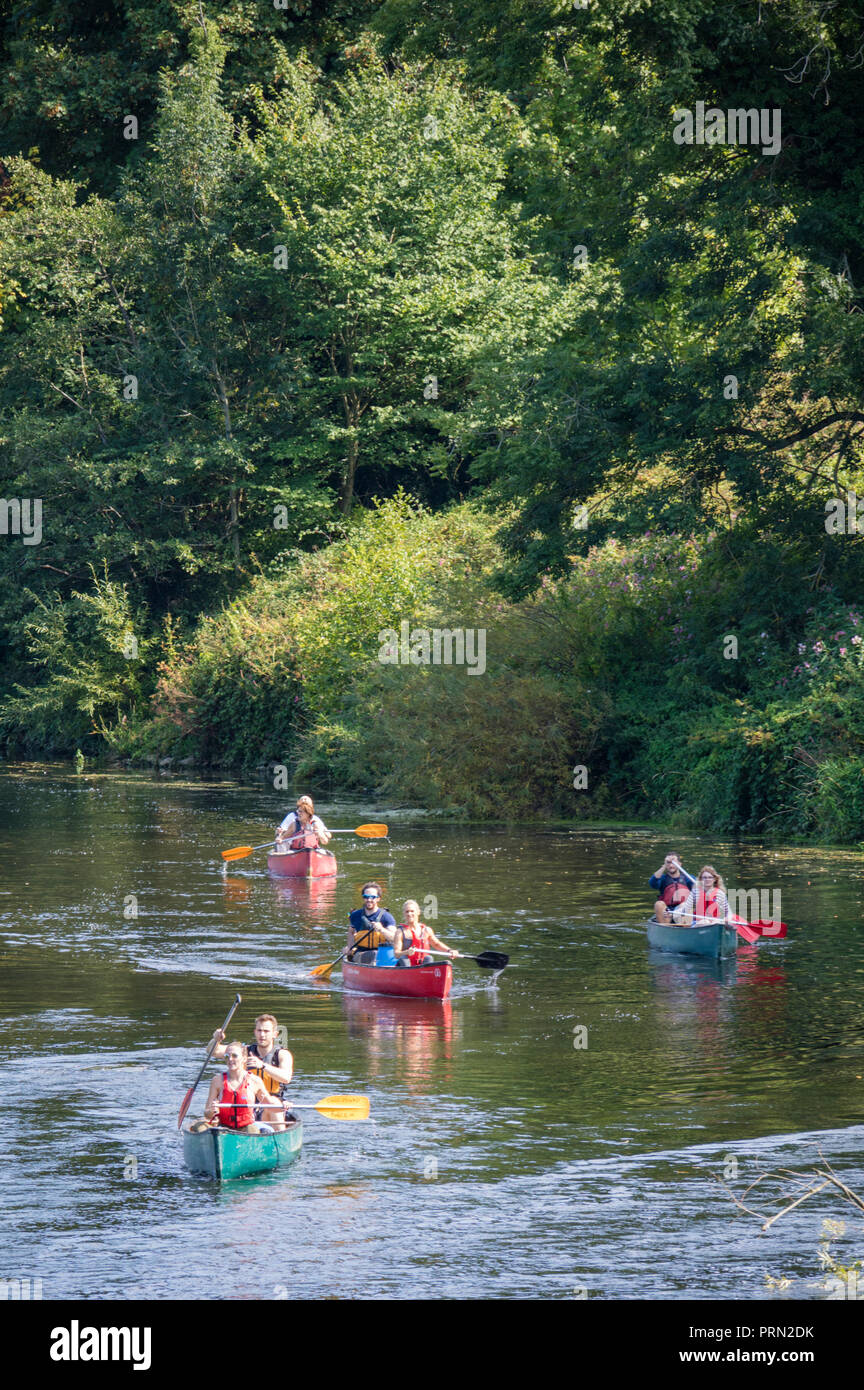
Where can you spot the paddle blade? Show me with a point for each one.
(777, 930)
(241, 852)
(492, 960)
(187, 1100)
(322, 972)
(371, 832)
(344, 1107)
(746, 931)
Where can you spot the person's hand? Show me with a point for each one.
(218, 1037)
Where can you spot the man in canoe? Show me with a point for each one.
(414, 939)
(302, 821)
(706, 900)
(369, 927)
(272, 1064)
(671, 884)
(232, 1096)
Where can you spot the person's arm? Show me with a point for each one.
(321, 830)
(682, 915)
(283, 1073)
(387, 926)
(399, 948)
(654, 882)
(211, 1106)
(221, 1047)
(435, 944)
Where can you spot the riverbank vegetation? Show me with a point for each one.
(377, 318)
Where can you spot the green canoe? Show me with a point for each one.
(713, 939)
(223, 1153)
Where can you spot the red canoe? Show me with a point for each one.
(304, 859)
(414, 982)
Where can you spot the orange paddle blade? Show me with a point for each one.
(185, 1106)
(323, 972)
(371, 832)
(239, 853)
(344, 1107)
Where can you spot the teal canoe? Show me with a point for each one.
(223, 1153)
(713, 939)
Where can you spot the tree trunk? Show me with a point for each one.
(348, 484)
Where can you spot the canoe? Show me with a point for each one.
(713, 939)
(305, 860)
(223, 1153)
(413, 982)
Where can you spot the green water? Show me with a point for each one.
(501, 1160)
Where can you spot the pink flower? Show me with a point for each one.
(842, 651)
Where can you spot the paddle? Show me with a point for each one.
(189, 1094)
(323, 972)
(743, 928)
(777, 930)
(488, 960)
(334, 1107)
(366, 832)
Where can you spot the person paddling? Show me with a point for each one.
(301, 821)
(369, 927)
(414, 939)
(706, 900)
(672, 884)
(233, 1094)
(272, 1063)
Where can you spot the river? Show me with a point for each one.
(503, 1158)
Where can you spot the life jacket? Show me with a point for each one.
(417, 942)
(272, 1060)
(235, 1107)
(706, 904)
(370, 935)
(305, 840)
(675, 893)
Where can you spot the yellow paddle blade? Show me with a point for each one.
(344, 1107)
(239, 853)
(371, 832)
(322, 972)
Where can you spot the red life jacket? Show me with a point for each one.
(306, 840)
(240, 1113)
(417, 942)
(675, 893)
(705, 904)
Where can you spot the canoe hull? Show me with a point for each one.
(223, 1153)
(415, 982)
(302, 863)
(714, 939)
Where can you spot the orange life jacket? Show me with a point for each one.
(235, 1110)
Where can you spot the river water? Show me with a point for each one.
(503, 1158)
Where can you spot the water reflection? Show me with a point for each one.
(310, 901)
(412, 1037)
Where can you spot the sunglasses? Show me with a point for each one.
(370, 897)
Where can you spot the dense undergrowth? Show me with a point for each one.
(660, 667)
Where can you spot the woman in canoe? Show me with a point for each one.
(234, 1094)
(706, 900)
(414, 939)
(268, 1059)
(302, 821)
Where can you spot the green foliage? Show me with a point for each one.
(94, 655)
